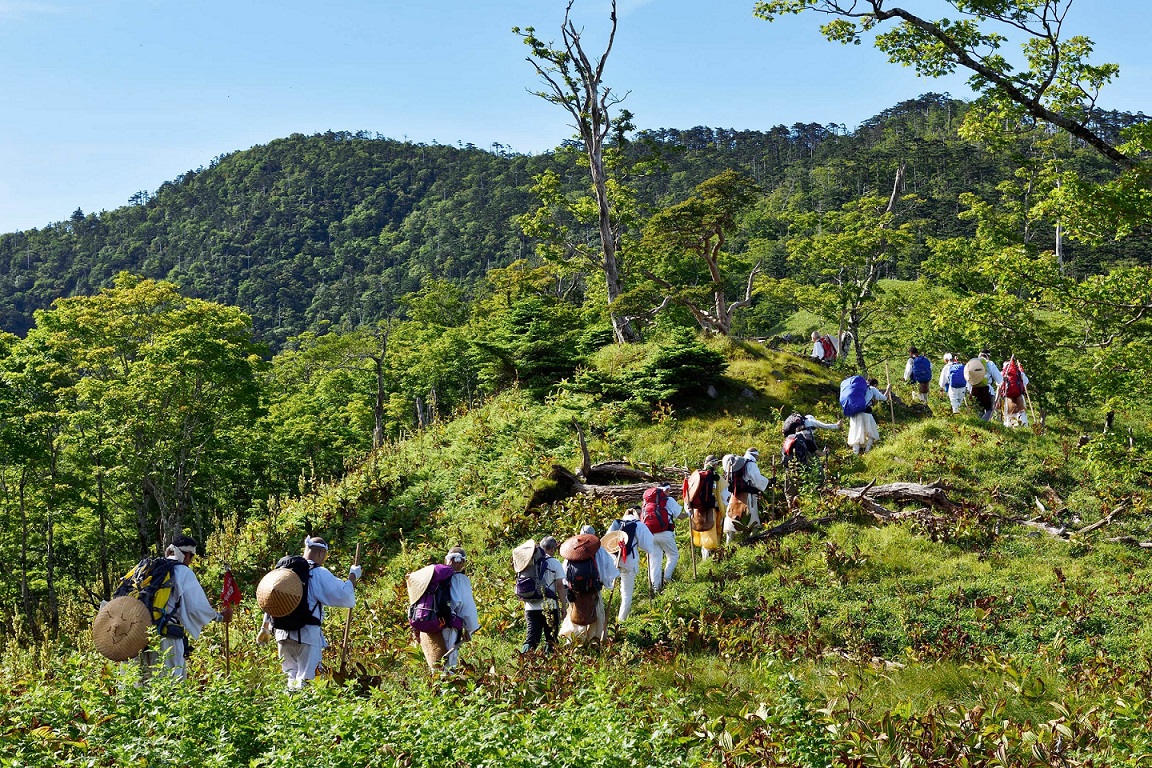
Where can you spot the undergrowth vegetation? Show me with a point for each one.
(979, 642)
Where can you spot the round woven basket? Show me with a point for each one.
(279, 592)
(120, 630)
(582, 609)
(434, 647)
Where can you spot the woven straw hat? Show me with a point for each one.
(580, 547)
(522, 555)
(418, 582)
(613, 540)
(434, 647)
(120, 630)
(974, 372)
(279, 592)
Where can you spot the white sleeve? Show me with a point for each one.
(908, 370)
(1023, 377)
(644, 538)
(818, 350)
(193, 610)
(463, 604)
(674, 508)
(753, 476)
(877, 394)
(326, 589)
(812, 423)
(607, 568)
(944, 377)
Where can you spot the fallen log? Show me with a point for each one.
(1056, 532)
(793, 524)
(932, 495)
(563, 484)
(1131, 541)
(1101, 522)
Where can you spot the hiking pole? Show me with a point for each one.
(691, 547)
(774, 487)
(348, 627)
(1028, 399)
(888, 384)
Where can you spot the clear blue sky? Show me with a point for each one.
(104, 99)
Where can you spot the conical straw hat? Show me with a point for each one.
(279, 592)
(522, 555)
(613, 540)
(974, 371)
(580, 547)
(120, 630)
(418, 582)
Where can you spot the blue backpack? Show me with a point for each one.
(854, 395)
(921, 369)
(956, 375)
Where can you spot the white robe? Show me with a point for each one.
(190, 607)
(862, 429)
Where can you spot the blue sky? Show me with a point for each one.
(104, 99)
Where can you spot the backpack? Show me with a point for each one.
(150, 582)
(737, 483)
(530, 581)
(921, 369)
(800, 446)
(303, 614)
(701, 493)
(433, 611)
(583, 577)
(629, 527)
(655, 512)
(829, 349)
(956, 376)
(854, 395)
(792, 424)
(1013, 379)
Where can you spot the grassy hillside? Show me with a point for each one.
(852, 644)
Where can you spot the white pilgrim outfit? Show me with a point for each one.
(598, 629)
(955, 394)
(664, 548)
(630, 566)
(862, 429)
(464, 607)
(1018, 418)
(190, 607)
(301, 650)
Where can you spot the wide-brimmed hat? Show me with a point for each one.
(418, 582)
(613, 540)
(279, 592)
(120, 630)
(580, 547)
(974, 371)
(522, 555)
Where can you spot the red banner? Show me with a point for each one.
(230, 594)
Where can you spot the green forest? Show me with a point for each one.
(410, 347)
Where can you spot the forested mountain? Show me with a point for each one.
(336, 227)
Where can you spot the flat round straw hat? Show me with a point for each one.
(613, 540)
(580, 547)
(974, 371)
(120, 630)
(418, 582)
(522, 555)
(279, 592)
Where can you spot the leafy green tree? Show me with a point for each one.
(575, 82)
(842, 254)
(684, 244)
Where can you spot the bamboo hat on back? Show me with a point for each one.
(522, 555)
(120, 630)
(613, 540)
(279, 592)
(418, 582)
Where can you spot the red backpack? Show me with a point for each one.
(1013, 379)
(655, 513)
(829, 347)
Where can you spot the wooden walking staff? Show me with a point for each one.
(888, 384)
(348, 626)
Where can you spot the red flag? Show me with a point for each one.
(230, 594)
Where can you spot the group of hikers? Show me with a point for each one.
(561, 584)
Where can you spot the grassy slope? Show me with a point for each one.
(846, 629)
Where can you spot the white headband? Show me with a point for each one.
(310, 543)
(455, 557)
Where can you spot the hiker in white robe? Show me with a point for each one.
(862, 430)
(629, 566)
(188, 605)
(463, 606)
(598, 629)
